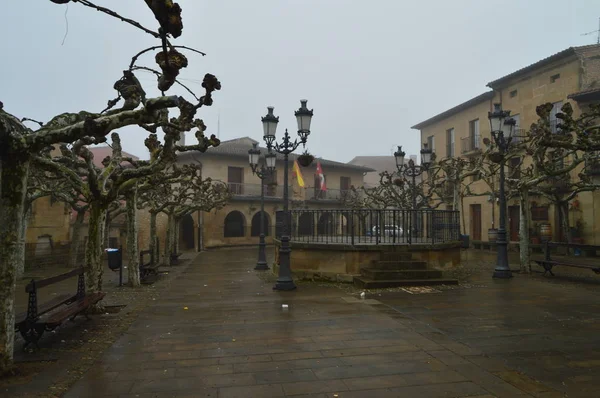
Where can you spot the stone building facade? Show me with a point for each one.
(573, 76)
(238, 223)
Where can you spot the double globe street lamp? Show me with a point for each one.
(412, 171)
(266, 169)
(501, 125)
(303, 118)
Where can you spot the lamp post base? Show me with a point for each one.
(284, 285)
(261, 266)
(501, 273)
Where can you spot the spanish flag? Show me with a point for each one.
(298, 174)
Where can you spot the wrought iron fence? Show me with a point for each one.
(367, 226)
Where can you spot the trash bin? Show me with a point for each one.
(115, 262)
(464, 239)
(114, 259)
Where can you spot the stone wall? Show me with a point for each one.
(341, 262)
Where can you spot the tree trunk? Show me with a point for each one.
(93, 254)
(13, 189)
(564, 213)
(153, 237)
(76, 238)
(176, 230)
(524, 255)
(169, 239)
(493, 208)
(133, 265)
(20, 262)
(462, 212)
(106, 232)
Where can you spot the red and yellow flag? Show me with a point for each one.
(298, 173)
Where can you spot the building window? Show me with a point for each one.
(344, 187)
(431, 143)
(474, 134)
(556, 108)
(235, 179)
(450, 143)
(539, 213)
(554, 78)
(271, 184)
(234, 225)
(255, 228)
(514, 166)
(513, 93)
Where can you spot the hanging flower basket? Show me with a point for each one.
(305, 159)
(398, 182)
(496, 157)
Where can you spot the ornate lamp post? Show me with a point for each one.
(265, 170)
(303, 117)
(501, 125)
(413, 171)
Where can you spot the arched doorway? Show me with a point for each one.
(235, 224)
(186, 233)
(306, 224)
(325, 226)
(255, 228)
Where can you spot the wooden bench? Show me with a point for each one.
(568, 261)
(149, 268)
(41, 317)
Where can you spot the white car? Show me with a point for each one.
(388, 231)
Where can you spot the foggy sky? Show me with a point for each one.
(369, 69)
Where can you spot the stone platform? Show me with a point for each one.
(221, 331)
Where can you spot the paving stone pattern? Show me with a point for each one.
(220, 331)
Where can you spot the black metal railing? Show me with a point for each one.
(365, 226)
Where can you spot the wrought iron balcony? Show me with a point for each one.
(592, 166)
(330, 194)
(518, 135)
(470, 144)
(253, 190)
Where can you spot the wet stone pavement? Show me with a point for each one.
(220, 331)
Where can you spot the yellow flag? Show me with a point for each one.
(298, 174)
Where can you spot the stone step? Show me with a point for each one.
(396, 256)
(365, 283)
(376, 274)
(399, 265)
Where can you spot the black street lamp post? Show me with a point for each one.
(413, 171)
(303, 117)
(265, 170)
(502, 127)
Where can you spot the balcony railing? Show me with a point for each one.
(471, 143)
(329, 194)
(592, 166)
(253, 190)
(518, 135)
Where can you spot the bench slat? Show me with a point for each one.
(77, 307)
(47, 306)
(54, 279)
(554, 263)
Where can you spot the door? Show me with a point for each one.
(235, 176)
(344, 187)
(476, 222)
(514, 218)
